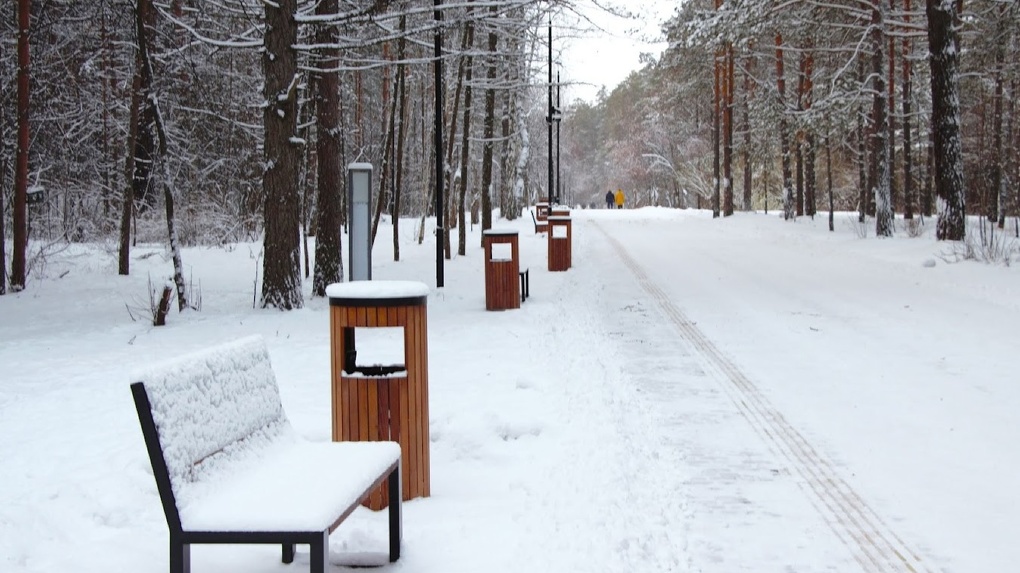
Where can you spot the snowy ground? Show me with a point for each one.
(693, 395)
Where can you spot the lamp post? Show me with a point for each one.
(549, 119)
(437, 16)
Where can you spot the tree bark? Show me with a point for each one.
(810, 145)
(281, 274)
(862, 151)
(891, 113)
(465, 144)
(745, 149)
(908, 146)
(784, 134)
(945, 117)
(145, 24)
(879, 170)
(329, 262)
(144, 142)
(489, 127)
(389, 120)
(19, 266)
(727, 119)
(3, 230)
(716, 129)
(997, 211)
(401, 121)
(828, 178)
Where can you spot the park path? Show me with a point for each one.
(745, 494)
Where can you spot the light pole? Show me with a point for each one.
(438, 54)
(549, 119)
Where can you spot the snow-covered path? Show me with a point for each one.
(852, 372)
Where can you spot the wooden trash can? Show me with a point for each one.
(560, 211)
(378, 402)
(541, 217)
(502, 270)
(560, 238)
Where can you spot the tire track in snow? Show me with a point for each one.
(872, 542)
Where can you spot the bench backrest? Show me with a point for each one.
(196, 410)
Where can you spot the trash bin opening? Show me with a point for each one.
(380, 350)
(502, 252)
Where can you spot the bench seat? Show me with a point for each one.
(303, 486)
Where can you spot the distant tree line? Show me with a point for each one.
(882, 107)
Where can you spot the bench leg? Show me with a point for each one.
(288, 552)
(396, 526)
(320, 553)
(180, 555)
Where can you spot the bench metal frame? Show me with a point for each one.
(318, 541)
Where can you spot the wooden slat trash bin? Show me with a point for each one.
(502, 269)
(559, 239)
(375, 402)
(541, 217)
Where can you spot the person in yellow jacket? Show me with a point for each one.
(619, 198)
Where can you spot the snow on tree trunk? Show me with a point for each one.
(882, 174)
(784, 134)
(945, 119)
(281, 269)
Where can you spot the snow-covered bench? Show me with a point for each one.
(229, 467)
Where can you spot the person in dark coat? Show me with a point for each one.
(610, 199)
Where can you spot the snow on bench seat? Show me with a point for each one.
(301, 487)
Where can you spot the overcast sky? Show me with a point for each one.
(607, 56)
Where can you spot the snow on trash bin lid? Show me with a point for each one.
(377, 290)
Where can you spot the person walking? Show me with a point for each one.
(610, 199)
(619, 198)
